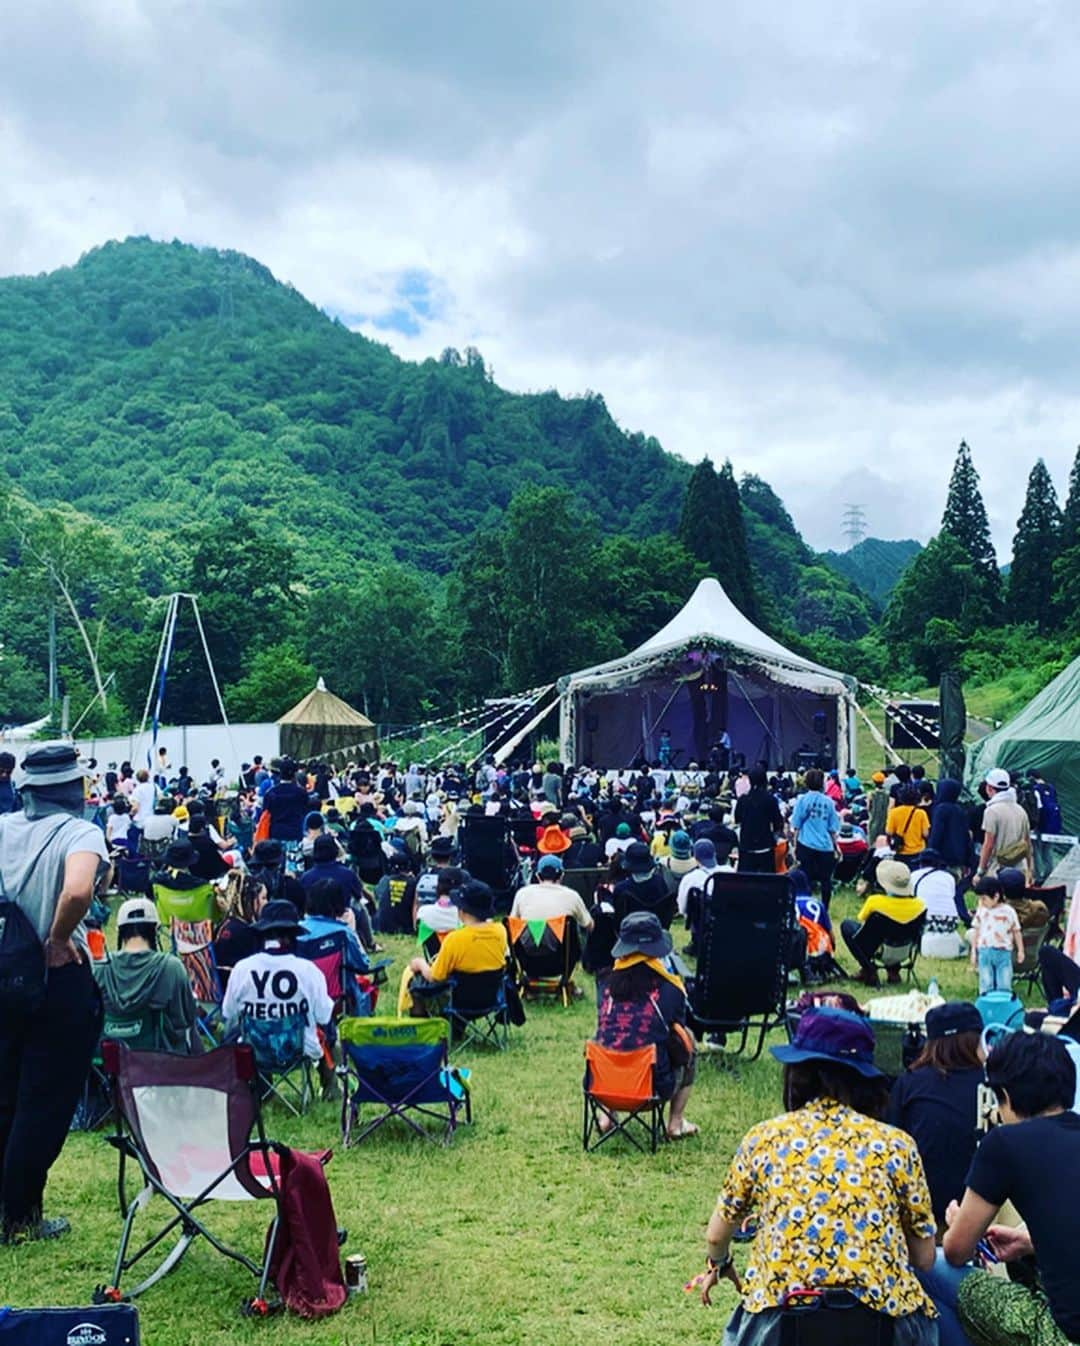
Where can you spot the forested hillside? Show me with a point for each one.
(874, 565)
(174, 417)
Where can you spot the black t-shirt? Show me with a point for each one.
(941, 1114)
(1036, 1165)
(758, 816)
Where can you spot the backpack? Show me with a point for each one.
(1001, 1008)
(23, 972)
(1028, 800)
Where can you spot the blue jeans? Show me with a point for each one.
(942, 1283)
(995, 970)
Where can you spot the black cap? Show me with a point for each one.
(477, 899)
(180, 855)
(945, 1021)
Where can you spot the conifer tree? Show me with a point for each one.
(1070, 518)
(965, 520)
(1036, 547)
(698, 531)
(738, 575)
(712, 529)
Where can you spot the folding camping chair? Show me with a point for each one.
(102, 1325)
(489, 854)
(621, 1082)
(281, 1064)
(546, 954)
(901, 947)
(430, 940)
(1054, 900)
(140, 1030)
(745, 942)
(193, 943)
(477, 1010)
(329, 953)
(194, 1127)
(1029, 972)
(584, 882)
(133, 876)
(400, 1066)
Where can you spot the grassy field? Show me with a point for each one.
(509, 1236)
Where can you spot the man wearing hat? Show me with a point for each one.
(440, 856)
(644, 888)
(680, 858)
(883, 916)
(326, 865)
(287, 803)
(478, 945)
(552, 840)
(181, 895)
(141, 979)
(1006, 829)
(582, 852)
(549, 897)
(275, 983)
(878, 806)
(50, 863)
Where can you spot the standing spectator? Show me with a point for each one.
(287, 804)
(143, 797)
(50, 861)
(950, 833)
(878, 807)
(9, 796)
(995, 932)
(1006, 829)
(757, 816)
(815, 823)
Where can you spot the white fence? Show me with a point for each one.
(190, 745)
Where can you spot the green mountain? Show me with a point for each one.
(875, 564)
(156, 384)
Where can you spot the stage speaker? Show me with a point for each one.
(592, 722)
(821, 723)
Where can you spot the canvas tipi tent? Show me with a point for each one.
(322, 723)
(1044, 736)
(709, 669)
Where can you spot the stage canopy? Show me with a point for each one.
(1045, 737)
(321, 724)
(709, 669)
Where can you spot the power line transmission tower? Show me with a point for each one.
(854, 524)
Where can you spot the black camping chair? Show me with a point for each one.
(478, 1011)
(489, 854)
(104, 1325)
(743, 957)
(364, 845)
(584, 882)
(900, 947)
(832, 1317)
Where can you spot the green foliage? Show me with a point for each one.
(874, 564)
(965, 521)
(1036, 547)
(22, 688)
(1070, 515)
(279, 676)
(711, 528)
(939, 602)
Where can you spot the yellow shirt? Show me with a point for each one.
(659, 846)
(899, 909)
(472, 948)
(912, 824)
(835, 1194)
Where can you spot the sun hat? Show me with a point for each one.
(137, 911)
(641, 932)
(477, 900)
(268, 852)
(998, 778)
(637, 858)
(181, 813)
(279, 917)
(623, 832)
(682, 848)
(51, 764)
(550, 864)
(878, 777)
(957, 1016)
(894, 878)
(836, 1035)
(553, 841)
(442, 848)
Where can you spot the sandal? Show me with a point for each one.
(688, 1129)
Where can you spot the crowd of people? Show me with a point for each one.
(890, 1196)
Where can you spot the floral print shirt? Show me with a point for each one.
(835, 1193)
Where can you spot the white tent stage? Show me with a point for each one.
(708, 669)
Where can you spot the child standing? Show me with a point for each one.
(995, 932)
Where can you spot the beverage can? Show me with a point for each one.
(356, 1279)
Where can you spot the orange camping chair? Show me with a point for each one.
(621, 1083)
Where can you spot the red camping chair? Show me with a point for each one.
(621, 1082)
(194, 1127)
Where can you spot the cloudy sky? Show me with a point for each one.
(828, 240)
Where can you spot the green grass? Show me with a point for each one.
(510, 1235)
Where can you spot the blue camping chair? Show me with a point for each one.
(400, 1067)
(284, 1071)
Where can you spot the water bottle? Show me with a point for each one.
(934, 990)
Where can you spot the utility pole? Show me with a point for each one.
(854, 524)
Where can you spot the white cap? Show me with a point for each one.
(137, 911)
(998, 778)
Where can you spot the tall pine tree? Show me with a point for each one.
(1036, 547)
(712, 529)
(965, 520)
(1070, 515)
(1067, 565)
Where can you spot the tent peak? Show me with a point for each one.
(320, 686)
